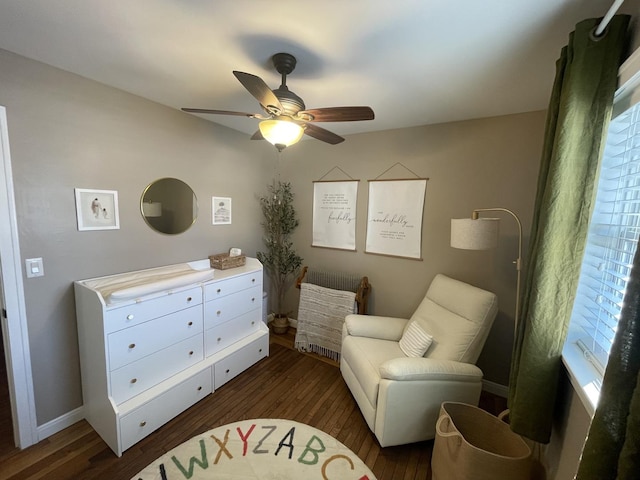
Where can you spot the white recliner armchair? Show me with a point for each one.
(397, 385)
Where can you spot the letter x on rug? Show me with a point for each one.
(265, 449)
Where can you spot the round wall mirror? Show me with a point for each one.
(168, 205)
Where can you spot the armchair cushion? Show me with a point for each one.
(373, 326)
(415, 340)
(458, 316)
(418, 368)
(365, 357)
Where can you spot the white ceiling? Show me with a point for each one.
(415, 62)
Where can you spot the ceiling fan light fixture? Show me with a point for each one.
(281, 133)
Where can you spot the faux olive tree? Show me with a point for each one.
(280, 259)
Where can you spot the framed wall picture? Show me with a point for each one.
(394, 219)
(97, 209)
(221, 210)
(334, 214)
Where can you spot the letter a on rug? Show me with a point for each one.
(262, 449)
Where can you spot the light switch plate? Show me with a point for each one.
(34, 267)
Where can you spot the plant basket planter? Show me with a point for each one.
(280, 324)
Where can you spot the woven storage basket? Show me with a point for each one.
(222, 261)
(473, 444)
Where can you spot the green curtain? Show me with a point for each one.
(612, 450)
(577, 120)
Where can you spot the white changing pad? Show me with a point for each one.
(127, 286)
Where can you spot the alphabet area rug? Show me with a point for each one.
(264, 449)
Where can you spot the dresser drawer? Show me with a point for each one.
(134, 378)
(139, 423)
(230, 306)
(231, 285)
(238, 361)
(129, 315)
(131, 344)
(224, 334)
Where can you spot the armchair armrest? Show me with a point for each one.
(373, 326)
(420, 368)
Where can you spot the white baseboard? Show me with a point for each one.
(58, 424)
(495, 388)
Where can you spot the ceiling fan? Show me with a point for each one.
(286, 117)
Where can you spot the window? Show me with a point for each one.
(611, 244)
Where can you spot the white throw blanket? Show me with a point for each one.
(320, 318)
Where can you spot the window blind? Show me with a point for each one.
(611, 240)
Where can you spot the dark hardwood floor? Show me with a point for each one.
(287, 384)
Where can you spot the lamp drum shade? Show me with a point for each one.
(469, 234)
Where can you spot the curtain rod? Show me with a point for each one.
(608, 16)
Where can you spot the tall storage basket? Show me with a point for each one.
(473, 444)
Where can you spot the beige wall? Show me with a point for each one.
(491, 162)
(66, 131)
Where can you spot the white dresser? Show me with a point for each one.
(154, 342)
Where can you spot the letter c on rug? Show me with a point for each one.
(331, 459)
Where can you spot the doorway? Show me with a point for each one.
(15, 341)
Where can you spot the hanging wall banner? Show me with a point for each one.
(394, 220)
(334, 214)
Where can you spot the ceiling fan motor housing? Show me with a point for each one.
(291, 103)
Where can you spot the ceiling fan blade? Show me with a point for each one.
(261, 91)
(338, 114)
(322, 134)
(222, 112)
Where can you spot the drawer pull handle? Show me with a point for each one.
(253, 280)
(134, 380)
(191, 352)
(253, 299)
(143, 423)
(130, 316)
(190, 323)
(260, 350)
(218, 312)
(189, 299)
(227, 371)
(218, 291)
(199, 388)
(219, 338)
(253, 323)
(132, 345)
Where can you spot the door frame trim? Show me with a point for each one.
(14, 328)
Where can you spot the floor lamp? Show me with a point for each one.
(477, 233)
